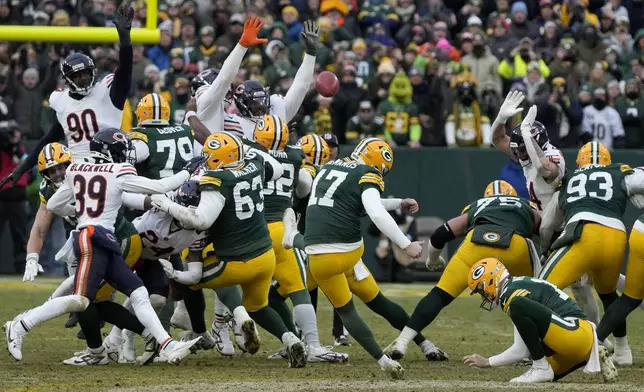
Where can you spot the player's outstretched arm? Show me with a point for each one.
(200, 130)
(136, 201)
(210, 206)
(60, 202)
(304, 183)
(551, 219)
(546, 168)
(54, 134)
(123, 75)
(510, 107)
(189, 277)
(455, 227)
(512, 355)
(304, 76)
(39, 231)
(135, 184)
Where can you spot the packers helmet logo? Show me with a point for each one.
(478, 272)
(261, 124)
(386, 155)
(491, 237)
(64, 149)
(214, 144)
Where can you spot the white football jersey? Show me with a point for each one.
(603, 125)
(162, 236)
(245, 127)
(97, 191)
(81, 119)
(540, 191)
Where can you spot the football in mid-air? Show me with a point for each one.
(327, 84)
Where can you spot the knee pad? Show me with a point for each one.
(157, 301)
(443, 296)
(76, 303)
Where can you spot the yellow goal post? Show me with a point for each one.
(149, 34)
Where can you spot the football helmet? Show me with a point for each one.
(153, 109)
(374, 152)
(316, 149)
(204, 78)
(499, 188)
(79, 73)
(112, 145)
(271, 132)
(593, 153)
(223, 149)
(189, 194)
(53, 161)
(252, 99)
(517, 145)
(485, 279)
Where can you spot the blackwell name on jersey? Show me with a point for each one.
(81, 167)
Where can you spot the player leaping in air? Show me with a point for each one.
(85, 106)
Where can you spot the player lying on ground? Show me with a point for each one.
(499, 225)
(549, 327)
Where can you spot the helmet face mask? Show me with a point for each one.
(112, 145)
(486, 279)
(517, 144)
(53, 161)
(79, 73)
(56, 174)
(252, 99)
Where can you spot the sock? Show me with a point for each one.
(230, 298)
(393, 313)
(65, 288)
(305, 317)
(532, 320)
(118, 316)
(196, 305)
(428, 308)
(115, 337)
(89, 321)
(314, 298)
(586, 301)
(616, 315)
(359, 330)
(338, 327)
(541, 364)
(241, 315)
(426, 345)
(52, 309)
(298, 241)
(268, 319)
(278, 303)
(621, 342)
(619, 326)
(147, 315)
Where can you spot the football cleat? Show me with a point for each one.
(323, 354)
(282, 354)
(609, 345)
(296, 351)
(14, 340)
(342, 340)
(608, 369)
(396, 349)
(180, 318)
(88, 358)
(433, 353)
(623, 356)
(250, 337)
(393, 368)
(152, 350)
(290, 228)
(128, 350)
(534, 375)
(220, 334)
(176, 351)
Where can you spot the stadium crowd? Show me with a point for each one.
(415, 72)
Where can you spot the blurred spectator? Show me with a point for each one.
(379, 88)
(546, 14)
(585, 96)
(290, 16)
(364, 124)
(178, 101)
(502, 12)
(613, 63)
(159, 54)
(483, 66)
(602, 123)
(535, 84)
(614, 92)
(568, 65)
(574, 14)
(207, 45)
(345, 105)
(516, 66)
(522, 27)
(365, 67)
(546, 45)
(561, 114)
(501, 43)
(597, 77)
(466, 125)
(590, 47)
(402, 126)
(140, 63)
(13, 198)
(232, 35)
(631, 110)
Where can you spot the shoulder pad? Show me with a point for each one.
(54, 97)
(136, 135)
(373, 177)
(107, 80)
(625, 168)
(466, 209)
(313, 171)
(211, 180)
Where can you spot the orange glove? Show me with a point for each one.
(252, 26)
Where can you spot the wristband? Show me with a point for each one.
(190, 114)
(33, 257)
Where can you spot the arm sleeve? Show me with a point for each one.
(551, 219)
(59, 203)
(381, 218)
(534, 152)
(142, 150)
(192, 275)
(55, 134)
(122, 77)
(391, 204)
(304, 183)
(514, 354)
(210, 206)
(211, 100)
(296, 93)
(136, 184)
(134, 201)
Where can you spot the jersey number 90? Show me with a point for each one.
(83, 126)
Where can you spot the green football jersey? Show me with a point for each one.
(597, 190)
(545, 293)
(510, 212)
(335, 205)
(300, 204)
(123, 228)
(278, 194)
(170, 149)
(240, 232)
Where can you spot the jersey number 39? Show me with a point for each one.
(94, 190)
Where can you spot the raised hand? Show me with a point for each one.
(311, 37)
(252, 26)
(123, 22)
(512, 104)
(195, 163)
(526, 124)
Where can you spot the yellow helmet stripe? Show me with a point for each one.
(49, 152)
(496, 186)
(361, 146)
(156, 106)
(318, 149)
(278, 132)
(594, 152)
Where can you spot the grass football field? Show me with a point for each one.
(461, 329)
